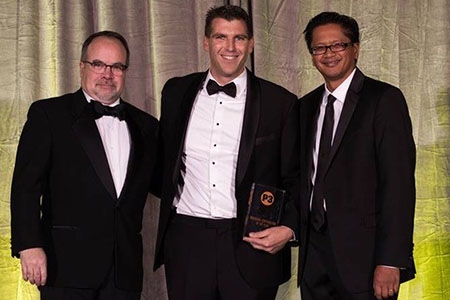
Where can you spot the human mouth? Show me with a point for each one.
(106, 85)
(230, 57)
(331, 64)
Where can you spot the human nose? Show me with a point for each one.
(108, 72)
(328, 51)
(230, 44)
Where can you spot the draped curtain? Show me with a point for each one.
(403, 42)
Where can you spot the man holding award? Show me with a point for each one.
(226, 133)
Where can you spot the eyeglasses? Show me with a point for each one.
(99, 67)
(336, 47)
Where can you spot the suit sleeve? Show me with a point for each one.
(29, 181)
(290, 167)
(396, 158)
(157, 182)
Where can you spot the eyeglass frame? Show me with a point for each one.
(330, 47)
(118, 67)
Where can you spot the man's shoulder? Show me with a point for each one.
(141, 115)
(374, 86)
(267, 85)
(185, 80)
(64, 97)
(376, 82)
(57, 102)
(317, 92)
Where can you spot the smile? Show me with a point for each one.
(332, 63)
(229, 57)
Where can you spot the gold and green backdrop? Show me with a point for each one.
(404, 42)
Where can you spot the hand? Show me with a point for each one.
(271, 239)
(386, 282)
(34, 265)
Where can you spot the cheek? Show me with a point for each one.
(120, 82)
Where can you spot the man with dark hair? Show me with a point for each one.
(229, 13)
(357, 182)
(221, 131)
(82, 175)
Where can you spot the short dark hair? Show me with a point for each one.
(229, 13)
(348, 24)
(108, 34)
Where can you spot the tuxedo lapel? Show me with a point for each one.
(249, 128)
(310, 125)
(185, 113)
(351, 100)
(86, 130)
(136, 148)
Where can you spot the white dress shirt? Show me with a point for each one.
(211, 152)
(116, 143)
(339, 93)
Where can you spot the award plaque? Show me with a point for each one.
(264, 208)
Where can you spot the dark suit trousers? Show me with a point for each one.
(200, 262)
(321, 280)
(108, 291)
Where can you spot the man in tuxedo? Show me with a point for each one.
(357, 182)
(222, 130)
(82, 175)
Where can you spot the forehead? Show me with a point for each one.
(106, 47)
(328, 33)
(220, 25)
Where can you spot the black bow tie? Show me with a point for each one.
(212, 87)
(100, 110)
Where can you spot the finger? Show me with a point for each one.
(385, 292)
(258, 243)
(37, 278)
(251, 240)
(377, 292)
(25, 273)
(43, 275)
(31, 278)
(396, 287)
(391, 292)
(259, 234)
(261, 245)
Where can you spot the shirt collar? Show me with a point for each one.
(341, 91)
(240, 82)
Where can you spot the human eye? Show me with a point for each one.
(219, 37)
(241, 38)
(118, 66)
(338, 46)
(318, 49)
(98, 64)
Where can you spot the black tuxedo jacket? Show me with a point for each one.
(369, 183)
(268, 154)
(84, 226)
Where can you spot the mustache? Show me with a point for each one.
(105, 82)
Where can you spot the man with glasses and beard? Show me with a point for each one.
(82, 175)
